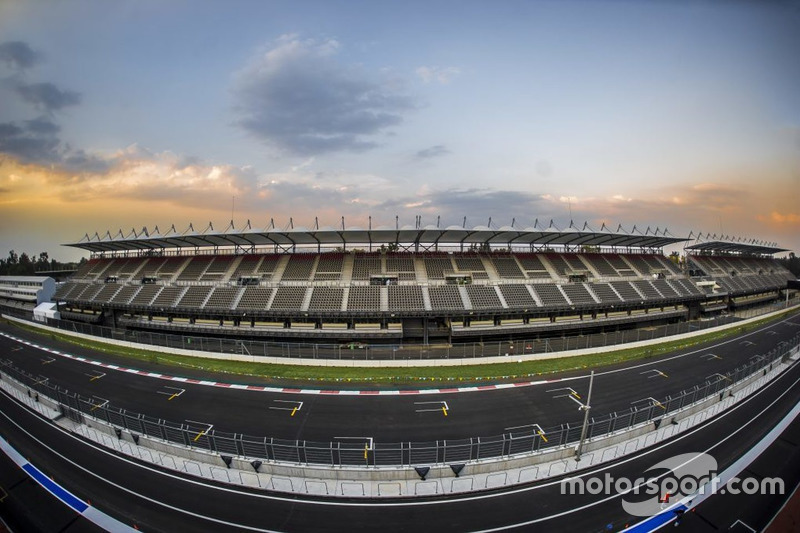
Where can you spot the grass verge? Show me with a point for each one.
(416, 376)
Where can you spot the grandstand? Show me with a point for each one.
(409, 284)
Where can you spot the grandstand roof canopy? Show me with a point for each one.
(735, 247)
(352, 237)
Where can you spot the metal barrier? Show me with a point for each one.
(385, 352)
(368, 453)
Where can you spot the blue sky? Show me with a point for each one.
(130, 114)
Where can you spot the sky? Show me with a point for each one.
(121, 115)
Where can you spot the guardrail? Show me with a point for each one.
(390, 352)
(369, 453)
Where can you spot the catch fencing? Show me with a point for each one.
(366, 452)
(569, 340)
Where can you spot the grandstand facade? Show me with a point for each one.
(408, 285)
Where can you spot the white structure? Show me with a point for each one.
(46, 310)
(26, 291)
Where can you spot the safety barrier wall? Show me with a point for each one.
(394, 454)
(388, 355)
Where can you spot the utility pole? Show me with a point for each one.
(585, 407)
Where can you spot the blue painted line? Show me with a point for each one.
(55, 489)
(655, 522)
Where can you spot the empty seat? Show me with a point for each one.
(255, 298)
(405, 298)
(626, 291)
(578, 294)
(222, 298)
(329, 266)
(288, 298)
(126, 294)
(146, 295)
(507, 266)
(646, 288)
(445, 297)
(366, 265)
(606, 293)
(517, 296)
(107, 292)
(483, 297)
(326, 299)
(437, 266)
(194, 297)
(195, 268)
(167, 297)
(299, 267)
(549, 294)
(364, 298)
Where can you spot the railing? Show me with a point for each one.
(389, 352)
(365, 452)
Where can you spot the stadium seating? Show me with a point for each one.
(507, 267)
(326, 290)
(550, 295)
(289, 298)
(445, 298)
(255, 298)
(626, 291)
(222, 297)
(299, 267)
(195, 268)
(483, 297)
(147, 294)
(517, 296)
(326, 298)
(438, 265)
(405, 298)
(366, 265)
(402, 265)
(167, 296)
(329, 267)
(194, 297)
(364, 299)
(605, 292)
(578, 294)
(126, 294)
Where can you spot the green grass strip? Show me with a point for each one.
(416, 376)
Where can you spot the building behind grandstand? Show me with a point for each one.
(411, 284)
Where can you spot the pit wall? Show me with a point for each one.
(403, 363)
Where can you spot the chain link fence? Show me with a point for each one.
(366, 452)
(388, 352)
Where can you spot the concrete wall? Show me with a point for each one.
(407, 473)
(403, 363)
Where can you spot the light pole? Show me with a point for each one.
(585, 407)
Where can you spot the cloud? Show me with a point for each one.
(299, 98)
(47, 96)
(780, 219)
(37, 142)
(433, 151)
(131, 174)
(33, 142)
(441, 75)
(476, 204)
(18, 55)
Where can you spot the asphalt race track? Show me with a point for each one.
(399, 418)
(158, 500)
(155, 500)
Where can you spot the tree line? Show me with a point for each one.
(28, 265)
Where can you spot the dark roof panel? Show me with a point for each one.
(356, 236)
